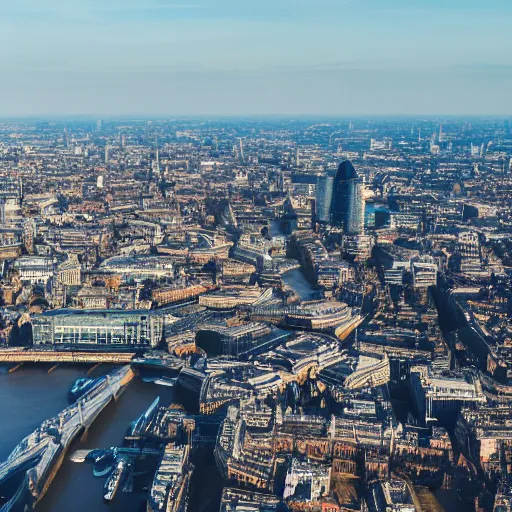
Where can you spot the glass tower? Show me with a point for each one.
(347, 201)
(324, 186)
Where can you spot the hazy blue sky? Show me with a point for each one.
(108, 57)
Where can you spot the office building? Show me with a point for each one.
(324, 188)
(99, 328)
(347, 201)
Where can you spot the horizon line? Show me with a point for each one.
(289, 116)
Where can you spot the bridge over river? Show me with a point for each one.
(56, 356)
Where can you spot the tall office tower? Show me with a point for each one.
(2, 212)
(157, 161)
(297, 157)
(347, 200)
(241, 151)
(324, 186)
(106, 154)
(29, 234)
(281, 181)
(99, 125)
(441, 132)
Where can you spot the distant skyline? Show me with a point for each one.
(232, 58)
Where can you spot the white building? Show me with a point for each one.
(105, 328)
(34, 269)
(315, 478)
(423, 274)
(381, 145)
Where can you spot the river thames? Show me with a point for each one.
(31, 395)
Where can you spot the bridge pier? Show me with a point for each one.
(97, 365)
(17, 367)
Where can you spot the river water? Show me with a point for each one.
(297, 280)
(294, 278)
(31, 395)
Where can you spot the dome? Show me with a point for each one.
(346, 171)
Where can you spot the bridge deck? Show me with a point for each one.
(43, 356)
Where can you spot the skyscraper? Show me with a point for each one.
(347, 201)
(241, 151)
(2, 212)
(324, 186)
